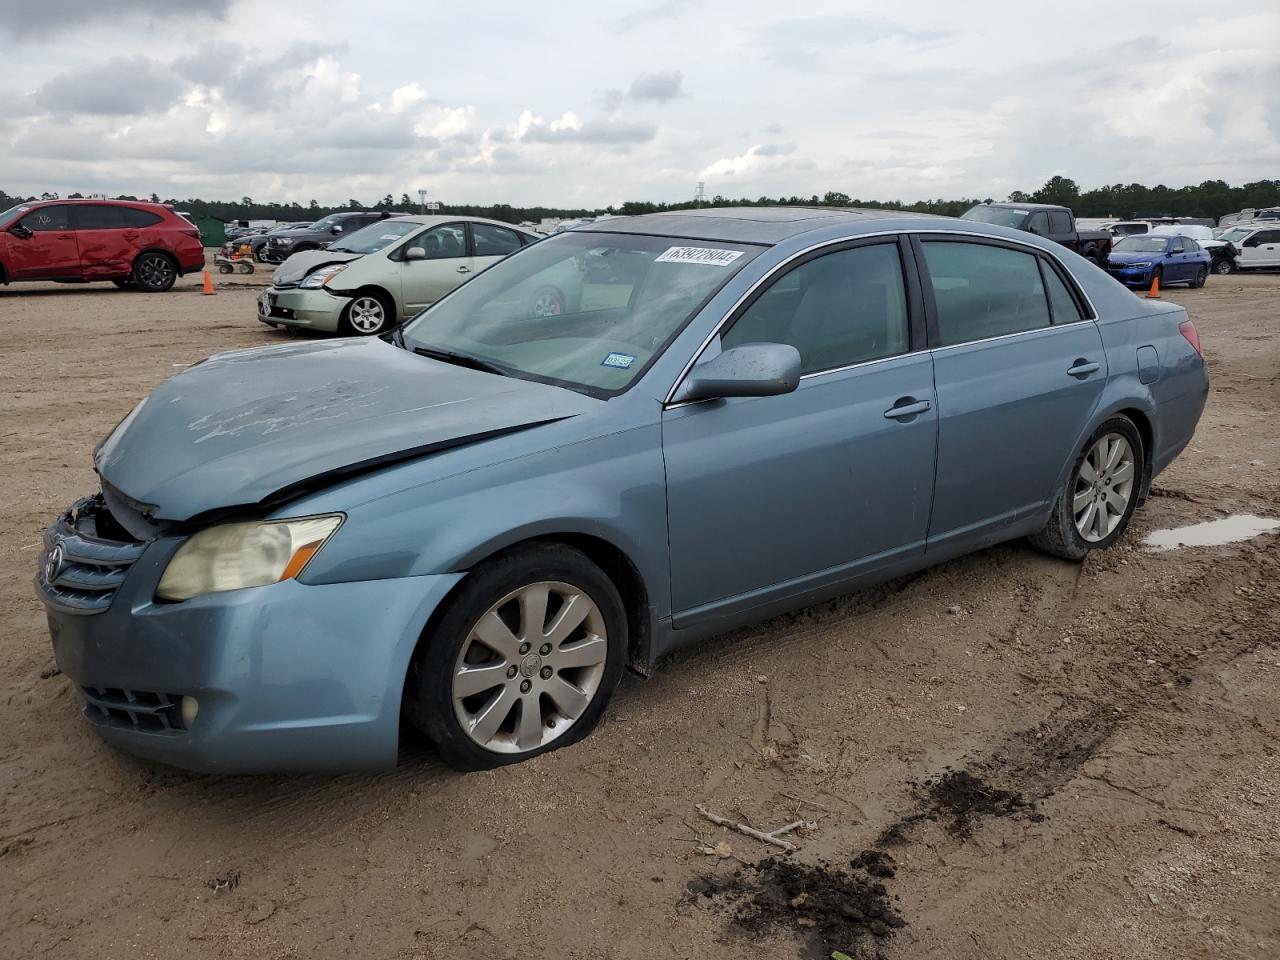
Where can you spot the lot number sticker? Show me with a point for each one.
(620, 361)
(700, 255)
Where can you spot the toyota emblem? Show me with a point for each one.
(53, 563)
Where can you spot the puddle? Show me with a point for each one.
(1212, 533)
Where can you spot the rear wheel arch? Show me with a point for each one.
(1146, 430)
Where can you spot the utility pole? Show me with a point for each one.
(422, 201)
(701, 195)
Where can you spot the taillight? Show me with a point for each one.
(1188, 330)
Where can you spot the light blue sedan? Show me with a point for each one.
(470, 528)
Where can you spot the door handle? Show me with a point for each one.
(907, 407)
(66, 236)
(1082, 368)
(464, 269)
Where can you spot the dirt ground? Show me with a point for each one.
(1007, 756)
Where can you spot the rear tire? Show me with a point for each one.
(545, 680)
(154, 272)
(1098, 498)
(1202, 274)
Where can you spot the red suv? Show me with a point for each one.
(145, 246)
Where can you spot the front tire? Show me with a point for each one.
(367, 315)
(1224, 266)
(154, 272)
(523, 661)
(1096, 503)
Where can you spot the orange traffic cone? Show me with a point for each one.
(208, 285)
(1154, 292)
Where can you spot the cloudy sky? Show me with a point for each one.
(586, 103)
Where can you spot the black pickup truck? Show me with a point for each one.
(1045, 219)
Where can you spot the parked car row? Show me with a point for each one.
(133, 244)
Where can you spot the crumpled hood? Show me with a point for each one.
(300, 264)
(247, 427)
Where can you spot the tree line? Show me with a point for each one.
(1212, 198)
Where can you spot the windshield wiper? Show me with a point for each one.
(460, 359)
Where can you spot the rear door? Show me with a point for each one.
(445, 263)
(491, 243)
(47, 247)
(1019, 371)
(100, 232)
(770, 497)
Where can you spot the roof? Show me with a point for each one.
(1010, 205)
(767, 225)
(432, 219)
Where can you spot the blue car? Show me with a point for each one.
(469, 528)
(1137, 261)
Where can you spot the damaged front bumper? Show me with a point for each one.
(313, 309)
(289, 677)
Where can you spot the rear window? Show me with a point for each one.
(138, 218)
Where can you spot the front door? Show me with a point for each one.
(770, 497)
(1019, 372)
(44, 246)
(1261, 250)
(444, 264)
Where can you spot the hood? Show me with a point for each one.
(1134, 256)
(294, 269)
(256, 427)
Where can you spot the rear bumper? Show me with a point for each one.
(311, 309)
(289, 677)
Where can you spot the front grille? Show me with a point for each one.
(82, 565)
(134, 709)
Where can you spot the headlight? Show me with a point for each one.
(235, 555)
(322, 276)
(1140, 266)
(283, 242)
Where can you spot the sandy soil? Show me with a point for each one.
(1047, 760)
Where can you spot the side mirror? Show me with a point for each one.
(21, 232)
(415, 253)
(335, 229)
(751, 370)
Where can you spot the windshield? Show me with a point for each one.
(1001, 216)
(584, 310)
(1141, 245)
(374, 237)
(13, 211)
(324, 224)
(1234, 236)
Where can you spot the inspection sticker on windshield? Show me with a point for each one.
(702, 255)
(621, 361)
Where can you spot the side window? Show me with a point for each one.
(47, 219)
(1191, 245)
(95, 217)
(1061, 305)
(493, 241)
(839, 309)
(1059, 221)
(1177, 246)
(441, 243)
(1039, 223)
(984, 291)
(137, 218)
(1268, 236)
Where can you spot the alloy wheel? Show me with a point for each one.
(1103, 487)
(529, 667)
(155, 272)
(547, 305)
(367, 314)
